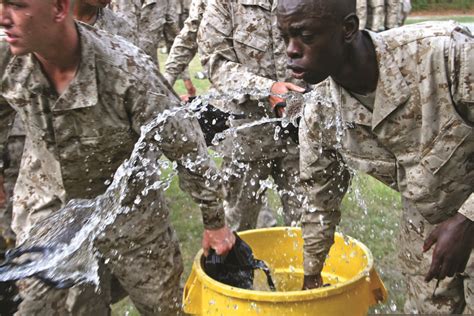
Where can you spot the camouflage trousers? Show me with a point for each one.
(376, 15)
(14, 154)
(362, 13)
(140, 251)
(392, 13)
(246, 184)
(452, 295)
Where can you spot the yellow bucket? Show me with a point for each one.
(355, 285)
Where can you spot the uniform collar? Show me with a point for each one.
(392, 90)
(82, 91)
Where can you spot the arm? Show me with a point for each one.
(181, 140)
(325, 179)
(185, 44)
(7, 115)
(453, 239)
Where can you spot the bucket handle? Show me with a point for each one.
(192, 295)
(377, 288)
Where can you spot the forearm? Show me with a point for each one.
(318, 235)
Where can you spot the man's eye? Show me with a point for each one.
(307, 37)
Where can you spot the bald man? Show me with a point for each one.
(403, 104)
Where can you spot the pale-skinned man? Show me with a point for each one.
(83, 95)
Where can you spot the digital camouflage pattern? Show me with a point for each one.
(185, 44)
(376, 15)
(418, 139)
(362, 13)
(116, 25)
(76, 141)
(155, 21)
(392, 13)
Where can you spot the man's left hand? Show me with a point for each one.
(279, 88)
(454, 239)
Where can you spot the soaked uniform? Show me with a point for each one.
(245, 55)
(154, 21)
(416, 136)
(76, 141)
(185, 44)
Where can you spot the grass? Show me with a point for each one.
(370, 211)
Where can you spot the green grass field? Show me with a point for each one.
(370, 211)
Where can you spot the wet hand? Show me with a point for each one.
(312, 282)
(454, 239)
(279, 88)
(221, 240)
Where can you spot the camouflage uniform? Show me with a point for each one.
(362, 13)
(185, 44)
(376, 15)
(182, 8)
(76, 141)
(392, 13)
(416, 137)
(154, 21)
(242, 48)
(116, 25)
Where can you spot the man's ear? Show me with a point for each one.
(351, 27)
(61, 9)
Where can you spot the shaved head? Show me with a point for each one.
(317, 8)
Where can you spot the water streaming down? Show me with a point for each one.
(60, 249)
(68, 253)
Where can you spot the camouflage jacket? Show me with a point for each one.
(116, 25)
(417, 139)
(155, 21)
(185, 44)
(245, 55)
(75, 141)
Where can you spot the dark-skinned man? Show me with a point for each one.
(405, 99)
(83, 95)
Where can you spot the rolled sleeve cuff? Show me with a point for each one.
(467, 209)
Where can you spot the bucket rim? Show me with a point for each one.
(290, 296)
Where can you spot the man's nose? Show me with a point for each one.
(293, 50)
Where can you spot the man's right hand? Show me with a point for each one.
(3, 198)
(221, 240)
(312, 282)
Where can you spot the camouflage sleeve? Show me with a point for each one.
(185, 44)
(461, 62)
(171, 27)
(215, 40)
(325, 179)
(467, 209)
(461, 67)
(181, 140)
(7, 115)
